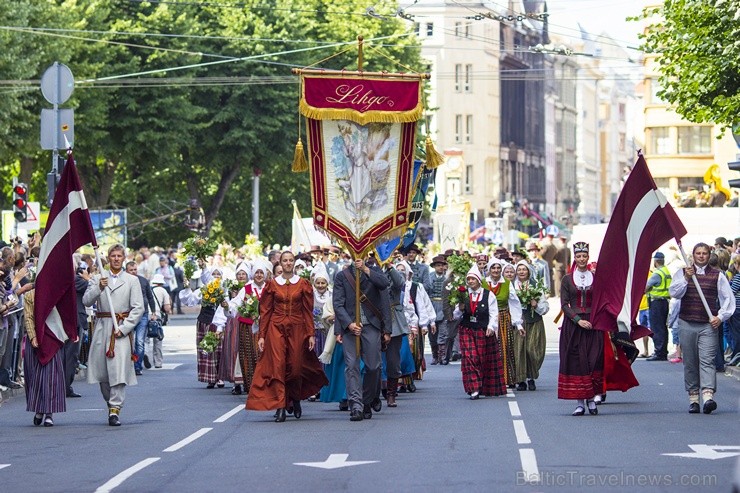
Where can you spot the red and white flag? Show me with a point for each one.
(67, 229)
(641, 222)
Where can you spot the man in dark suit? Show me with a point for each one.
(375, 326)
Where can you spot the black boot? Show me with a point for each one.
(280, 415)
(297, 411)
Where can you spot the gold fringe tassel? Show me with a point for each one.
(434, 158)
(361, 118)
(300, 165)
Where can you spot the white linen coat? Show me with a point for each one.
(126, 297)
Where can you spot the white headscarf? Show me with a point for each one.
(243, 267)
(474, 272)
(407, 266)
(319, 270)
(260, 264)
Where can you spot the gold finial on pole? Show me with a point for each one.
(360, 59)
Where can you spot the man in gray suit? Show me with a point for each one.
(374, 326)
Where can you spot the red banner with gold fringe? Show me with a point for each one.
(361, 141)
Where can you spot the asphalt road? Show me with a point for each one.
(177, 436)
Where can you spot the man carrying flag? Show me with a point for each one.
(699, 325)
(641, 222)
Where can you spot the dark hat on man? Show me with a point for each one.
(439, 259)
(722, 241)
(413, 248)
(501, 253)
(520, 252)
(659, 256)
(315, 249)
(335, 250)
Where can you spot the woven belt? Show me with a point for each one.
(119, 316)
(437, 299)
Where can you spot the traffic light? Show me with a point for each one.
(20, 202)
(734, 166)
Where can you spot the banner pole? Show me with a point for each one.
(696, 282)
(358, 317)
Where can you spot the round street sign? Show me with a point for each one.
(57, 83)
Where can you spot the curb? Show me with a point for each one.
(732, 372)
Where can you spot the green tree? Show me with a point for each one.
(698, 43)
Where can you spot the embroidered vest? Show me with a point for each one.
(692, 309)
(502, 295)
(481, 313)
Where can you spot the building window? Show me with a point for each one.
(416, 28)
(458, 29)
(458, 129)
(430, 29)
(654, 88)
(469, 129)
(694, 140)
(468, 179)
(622, 142)
(468, 29)
(622, 112)
(660, 141)
(458, 77)
(468, 78)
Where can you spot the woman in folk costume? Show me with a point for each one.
(332, 357)
(321, 294)
(230, 368)
(207, 362)
(531, 347)
(260, 272)
(288, 370)
(509, 317)
(45, 385)
(416, 296)
(581, 347)
(509, 272)
(408, 358)
(482, 369)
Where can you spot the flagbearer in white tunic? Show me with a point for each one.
(110, 361)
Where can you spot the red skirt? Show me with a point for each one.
(581, 374)
(482, 369)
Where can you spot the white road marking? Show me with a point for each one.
(3, 466)
(229, 414)
(711, 452)
(521, 432)
(510, 394)
(119, 478)
(90, 410)
(191, 438)
(529, 465)
(514, 410)
(335, 461)
(168, 366)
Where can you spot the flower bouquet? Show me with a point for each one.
(232, 286)
(212, 294)
(209, 343)
(200, 248)
(306, 274)
(531, 290)
(459, 265)
(250, 308)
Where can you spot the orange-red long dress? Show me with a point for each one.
(287, 370)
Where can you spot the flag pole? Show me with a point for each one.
(358, 317)
(696, 282)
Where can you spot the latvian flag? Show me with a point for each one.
(67, 229)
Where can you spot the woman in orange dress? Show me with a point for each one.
(288, 370)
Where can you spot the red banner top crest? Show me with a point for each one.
(361, 99)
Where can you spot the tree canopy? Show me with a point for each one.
(698, 43)
(182, 100)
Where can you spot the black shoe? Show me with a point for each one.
(377, 405)
(444, 362)
(579, 411)
(455, 357)
(280, 415)
(147, 363)
(356, 415)
(655, 357)
(592, 409)
(180, 312)
(37, 419)
(412, 387)
(343, 406)
(401, 389)
(13, 385)
(531, 385)
(72, 393)
(237, 390)
(521, 386)
(367, 413)
(210, 385)
(220, 384)
(48, 421)
(710, 406)
(113, 420)
(474, 395)
(139, 373)
(297, 411)
(694, 408)
(384, 393)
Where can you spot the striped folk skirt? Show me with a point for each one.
(207, 362)
(229, 367)
(417, 349)
(581, 374)
(247, 353)
(482, 368)
(45, 387)
(506, 335)
(535, 344)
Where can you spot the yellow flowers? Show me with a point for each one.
(212, 294)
